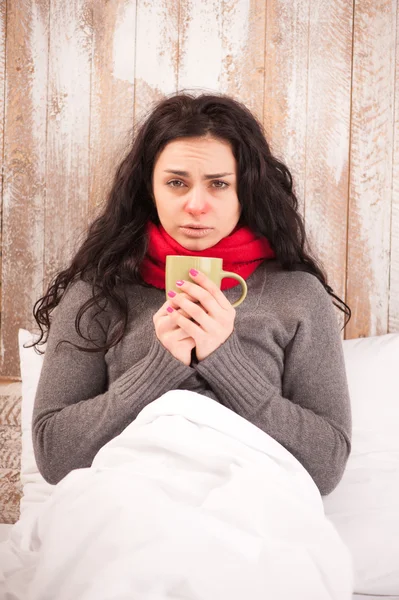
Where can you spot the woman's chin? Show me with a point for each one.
(197, 246)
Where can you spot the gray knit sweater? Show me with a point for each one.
(282, 368)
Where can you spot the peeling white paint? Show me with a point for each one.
(39, 46)
(156, 46)
(235, 44)
(201, 45)
(123, 51)
(371, 158)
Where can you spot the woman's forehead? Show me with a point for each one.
(179, 154)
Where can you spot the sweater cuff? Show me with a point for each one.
(233, 377)
(157, 373)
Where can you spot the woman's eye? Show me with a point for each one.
(175, 181)
(220, 184)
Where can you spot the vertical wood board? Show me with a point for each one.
(243, 52)
(24, 171)
(112, 101)
(393, 320)
(3, 29)
(285, 91)
(371, 167)
(68, 131)
(200, 45)
(156, 54)
(327, 136)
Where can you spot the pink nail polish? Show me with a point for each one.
(171, 294)
(170, 309)
(179, 283)
(193, 272)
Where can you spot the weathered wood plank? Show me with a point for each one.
(68, 131)
(112, 103)
(3, 26)
(393, 320)
(157, 35)
(222, 49)
(327, 136)
(24, 171)
(371, 167)
(243, 52)
(286, 82)
(200, 45)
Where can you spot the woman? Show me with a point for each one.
(199, 178)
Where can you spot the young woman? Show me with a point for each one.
(198, 179)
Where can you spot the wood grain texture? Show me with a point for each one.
(200, 45)
(286, 83)
(243, 52)
(68, 131)
(157, 35)
(371, 167)
(112, 99)
(307, 112)
(327, 136)
(24, 171)
(3, 28)
(393, 319)
(77, 76)
(221, 49)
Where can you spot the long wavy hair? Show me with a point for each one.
(116, 241)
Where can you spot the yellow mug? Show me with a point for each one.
(178, 267)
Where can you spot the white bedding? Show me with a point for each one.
(189, 502)
(5, 529)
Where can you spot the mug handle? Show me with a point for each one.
(243, 285)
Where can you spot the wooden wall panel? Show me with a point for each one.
(327, 135)
(243, 66)
(307, 113)
(24, 171)
(68, 131)
(286, 85)
(200, 45)
(112, 102)
(79, 75)
(393, 321)
(3, 28)
(371, 166)
(222, 49)
(157, 39)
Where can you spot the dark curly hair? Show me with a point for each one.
(116, 242)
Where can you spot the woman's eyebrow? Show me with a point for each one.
(186, 174)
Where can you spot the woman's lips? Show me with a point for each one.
(195, 232)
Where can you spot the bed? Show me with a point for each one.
(363, 509)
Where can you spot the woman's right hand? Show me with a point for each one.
(172, 337)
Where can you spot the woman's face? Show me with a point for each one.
(195, 190)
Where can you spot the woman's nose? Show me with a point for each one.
(196, 201)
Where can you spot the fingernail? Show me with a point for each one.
(179, 283)
(170, 309)
(171, 294)
(193, 272)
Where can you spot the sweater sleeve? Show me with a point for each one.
(75, 412)
(311, 417)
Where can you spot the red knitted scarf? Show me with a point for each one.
(242, 252)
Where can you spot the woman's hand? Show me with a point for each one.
(172, 337)
(210, 322)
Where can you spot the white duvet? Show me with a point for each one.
(189, 502)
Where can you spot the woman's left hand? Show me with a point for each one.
(213, 318)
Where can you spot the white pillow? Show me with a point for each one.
(364, 507)
(34, 487)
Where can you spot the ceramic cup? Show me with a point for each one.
(178, 267)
